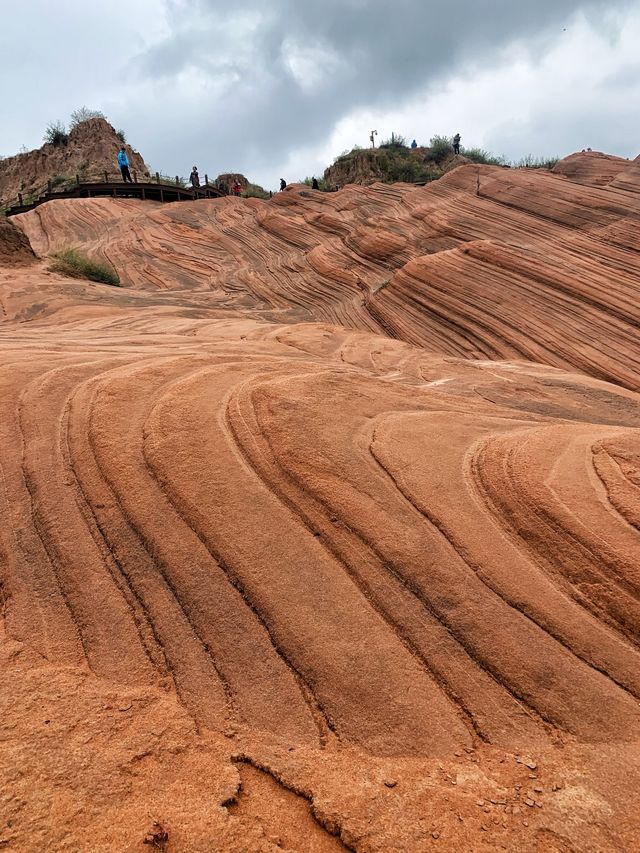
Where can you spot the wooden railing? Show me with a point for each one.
(161, 189)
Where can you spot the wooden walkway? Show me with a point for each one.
(147, 191)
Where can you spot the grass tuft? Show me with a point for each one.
(76, 265)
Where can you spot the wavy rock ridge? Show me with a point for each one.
(324, 532)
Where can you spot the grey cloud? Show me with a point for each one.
(222, 93)
(384, 53)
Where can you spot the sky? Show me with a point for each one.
(279, 88)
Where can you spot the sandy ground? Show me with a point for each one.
(322, 532)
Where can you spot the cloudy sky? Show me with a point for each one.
(277, 88)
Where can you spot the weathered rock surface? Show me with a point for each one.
(324, 533)
(486, 263)
(15, 248)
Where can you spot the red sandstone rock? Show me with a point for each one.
(322, 531)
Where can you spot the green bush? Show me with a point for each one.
(56, 133)
(406, 169)
(396, 141)
(255, 191)
(479, 155)
(440, 148)
(324, 186)
(76, 265)
(531, 162)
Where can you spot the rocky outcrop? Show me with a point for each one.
(15, 248)
(91, 150)
(591, 167)
(389, 165)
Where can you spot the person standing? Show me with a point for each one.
(123, 163)
(283, 184)
(194, 177)
(414, 144)
(456, 144)
(314, 184)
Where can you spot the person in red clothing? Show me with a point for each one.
(236, 188)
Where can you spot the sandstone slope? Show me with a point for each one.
(485, 263)
(323, 533)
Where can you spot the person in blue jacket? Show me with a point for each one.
(123, 162)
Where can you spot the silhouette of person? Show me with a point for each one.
(314, 184)
(456, 144)
(123, 163)
(194, 177)
(283, 183)
(414, 144)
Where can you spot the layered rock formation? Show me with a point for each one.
(323, 531)
(92, 150)
(484, 263)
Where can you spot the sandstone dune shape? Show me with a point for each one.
(322, 531)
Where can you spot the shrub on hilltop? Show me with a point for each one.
(532, 162)
(84, 114)
(56, 133)
(323, 184)
(396, 141)
(440, 148)
(479, 155)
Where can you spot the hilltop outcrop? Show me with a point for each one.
(91, 150)
(323, 531)
(591, 168)
(390, 164)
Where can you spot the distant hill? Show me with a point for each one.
(392, 162)
(90, 150)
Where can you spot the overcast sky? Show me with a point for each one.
(275, 88)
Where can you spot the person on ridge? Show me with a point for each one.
(194, 177)
(237, 189)
(283, 183)
(456, 144)
(314, 184)
(414, 144)
(123, 163)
